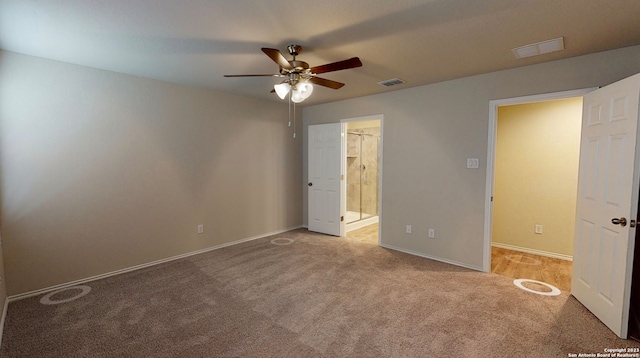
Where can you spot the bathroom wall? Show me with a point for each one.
(353, 172)
(369, 159)
(363, 150)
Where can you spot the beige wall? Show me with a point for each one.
(430, 131)
(536, 175)
(102, 171)
(3, 288)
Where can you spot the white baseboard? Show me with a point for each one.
(137, 267)
(533, 251)
(451, 262)
(4, 316)
(361, 223)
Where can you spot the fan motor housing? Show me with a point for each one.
(298, 67)
(294, 50)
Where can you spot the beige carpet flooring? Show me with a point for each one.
(318, 296)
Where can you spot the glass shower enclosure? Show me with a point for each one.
(363, 152)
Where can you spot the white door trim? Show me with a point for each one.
(491, 152)
(343, 186)
(343, 177)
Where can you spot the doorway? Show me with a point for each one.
(327, 184)
(535, 187)
(535, 231)
(607, 194)
(362, 162)
(363, 153)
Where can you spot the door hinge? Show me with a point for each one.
(342, 218)
(341, 176)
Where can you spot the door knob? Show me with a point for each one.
(310, 184)
(622, 221)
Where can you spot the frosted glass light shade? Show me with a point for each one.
(296, 96)
(282, 89)
(305, 89)
(301, 91)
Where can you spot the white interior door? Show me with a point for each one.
(324, 178)
(607, 192)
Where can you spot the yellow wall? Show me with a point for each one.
(536, 172)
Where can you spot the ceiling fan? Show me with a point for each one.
(298, 76)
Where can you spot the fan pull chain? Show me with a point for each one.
(294, 115)
(289, 109)
(294, 120)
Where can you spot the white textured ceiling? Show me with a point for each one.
(196, 42)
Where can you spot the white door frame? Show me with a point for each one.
(491, 153)
(343, 186)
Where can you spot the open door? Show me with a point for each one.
(608, 182)
(325, 147)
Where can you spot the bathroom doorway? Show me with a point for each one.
(362, 176)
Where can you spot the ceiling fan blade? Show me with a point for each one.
(264, 75)
(325, 82)
(277, 57)
(337, 66)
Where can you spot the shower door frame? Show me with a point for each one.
(343, 181)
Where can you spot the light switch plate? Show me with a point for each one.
(473, 163)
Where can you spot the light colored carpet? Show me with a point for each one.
(317, 297)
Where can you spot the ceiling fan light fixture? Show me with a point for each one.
(282, 89)
(299, 76)
(301, 91)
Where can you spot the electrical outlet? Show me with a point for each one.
(200, 229)
(408, 230)
(538, 229)
(432, 234)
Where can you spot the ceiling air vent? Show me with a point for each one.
(539, 48)
(391, 82)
